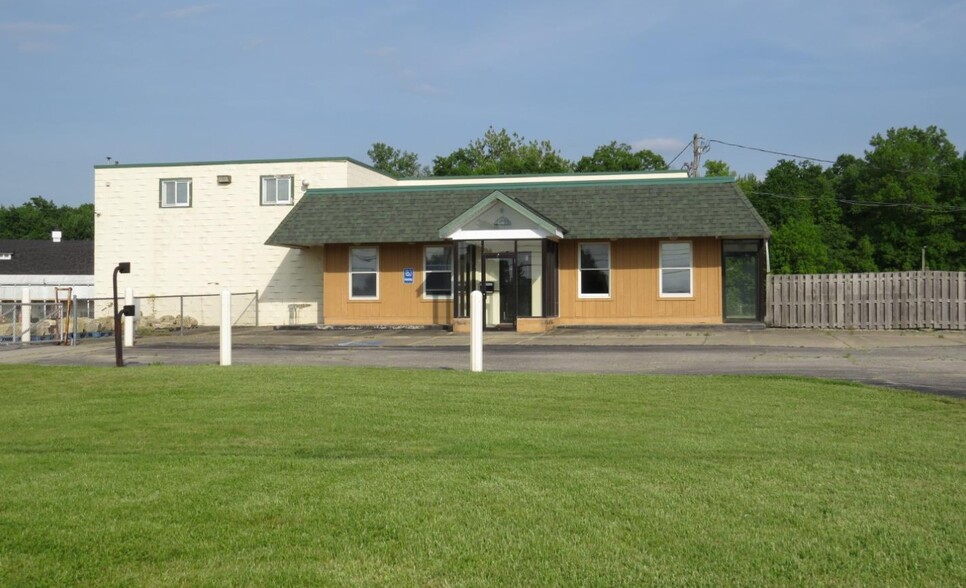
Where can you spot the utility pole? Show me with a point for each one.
(696, 162)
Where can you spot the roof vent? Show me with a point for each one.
(6, 256)
(55, 236)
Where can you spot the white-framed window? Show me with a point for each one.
(277, 190)
(363, 273)
(594, 270)
(676, 273)
(175, 193)
(437, 271)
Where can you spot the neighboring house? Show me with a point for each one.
(43, 266)
(357, 247)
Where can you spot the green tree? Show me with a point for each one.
(799, 203)
(908, 193)
(714, 167)
(36, 218)
(501, 153)
(388, 159)
(618, 157)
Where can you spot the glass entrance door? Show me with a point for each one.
(500, 292)
(741, 281)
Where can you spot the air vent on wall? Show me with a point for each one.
(223, 180)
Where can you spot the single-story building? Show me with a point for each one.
(587, 251)
(333, 241)
(41, 266)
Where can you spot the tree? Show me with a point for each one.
(501, 153)
(36, 218)
(799, 203)
(394, 162)
(714, 167)
(908, 193)
(618, 157)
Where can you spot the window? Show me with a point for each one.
(363, 273)
(276, 190)
(176, 193)
(438, 271)
(676, 269)
(594, 270)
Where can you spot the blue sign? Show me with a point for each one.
(408, 275)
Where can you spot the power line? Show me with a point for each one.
(792, 155)
(806, 158)
(686, 145)
(934, 209)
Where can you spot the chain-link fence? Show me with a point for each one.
(50, 321)
(71, 321)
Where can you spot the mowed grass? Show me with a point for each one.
(286, 475)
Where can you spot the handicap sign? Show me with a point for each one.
(408, 275)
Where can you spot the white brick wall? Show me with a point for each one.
(216, 243)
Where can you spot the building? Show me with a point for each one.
(332, 241)
(42, 266)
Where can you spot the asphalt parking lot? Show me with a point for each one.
(924, 361)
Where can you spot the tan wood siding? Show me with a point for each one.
(398, 303)
(634, 292)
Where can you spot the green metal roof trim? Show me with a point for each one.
(239, 161)
(651, 172)
(702, 207)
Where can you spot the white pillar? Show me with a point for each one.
(476, 331)
(225, 355)
(25, 316)
(128, 320)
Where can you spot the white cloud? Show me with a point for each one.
(189, 11)
(32, 28)
(383, 52)
(659, 144)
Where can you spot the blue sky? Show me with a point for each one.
(185, 81)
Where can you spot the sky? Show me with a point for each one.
(161, 81)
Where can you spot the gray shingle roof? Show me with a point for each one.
(705, 207)
(67, 258)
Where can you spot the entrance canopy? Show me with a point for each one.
(500, 217)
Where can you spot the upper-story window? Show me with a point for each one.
(176, 192)
(594, 270)
(277, 190)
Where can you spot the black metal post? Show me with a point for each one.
(125, 268)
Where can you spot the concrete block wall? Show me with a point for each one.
(218, 241)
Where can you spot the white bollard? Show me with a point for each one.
(225, 355)
(25, 316)
(476, 331)
(128, 320)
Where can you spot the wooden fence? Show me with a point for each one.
(889, 300)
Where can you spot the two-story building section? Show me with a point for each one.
(200, 228)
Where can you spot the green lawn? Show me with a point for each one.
(283, 475)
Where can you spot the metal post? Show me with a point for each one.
(181, 300)
(225, 354)
(476, 331)
(124, 268)
(25, 316)
(256, 308)
(74, 315)
(128, 320)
